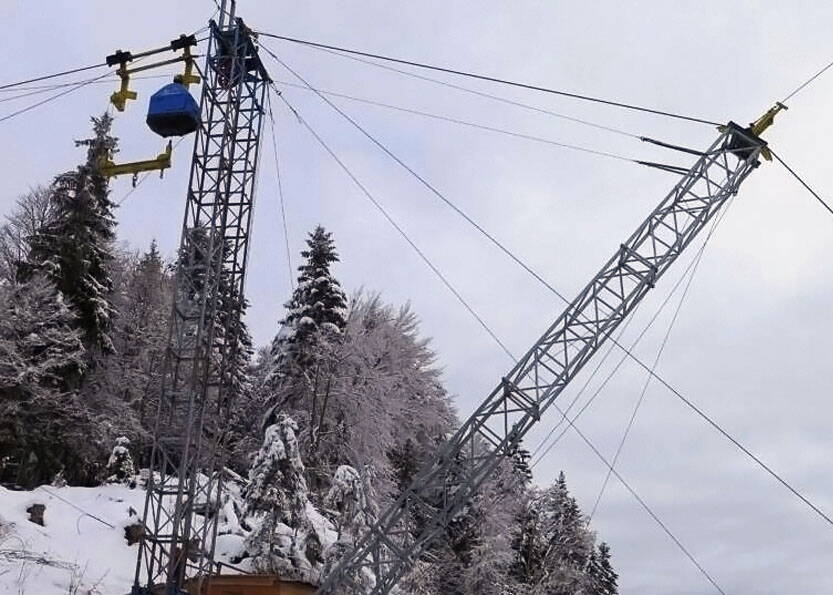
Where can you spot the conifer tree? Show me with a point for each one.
(73, 248)
(603, 579)
(317, 310)
(306, 352)
(44, 428)
(284, 540)
(553, 545)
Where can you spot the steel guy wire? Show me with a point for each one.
(395, 225)
(280, 192)
(464, 123)
(493, 79)
(802, 182)
(482, 94)
(806, 83)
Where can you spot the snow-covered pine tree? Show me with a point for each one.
(316, 312)
(553, 544)
(351, 503)
(74, 246)
(120, 464)
(142, 331)
(318, 303)
(603, 579)
(304, 354)
(284, 539)
(44, 427)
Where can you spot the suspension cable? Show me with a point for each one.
(493, 79)
(470, 91)
(802, 182)
(280, 192)
(803, 85)
(52, 98)
(395, 225)
(465, 123)
(52, 76)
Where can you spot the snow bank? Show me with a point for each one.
(73, 552)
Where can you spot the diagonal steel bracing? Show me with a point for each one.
(184, 484)
(441, 491)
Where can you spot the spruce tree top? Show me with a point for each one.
(318, 302)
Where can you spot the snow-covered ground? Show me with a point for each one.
(82, 548)
(73, 552)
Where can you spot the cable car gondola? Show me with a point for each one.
(173, 111)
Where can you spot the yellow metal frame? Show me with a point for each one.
(161, 162)
(120, 98)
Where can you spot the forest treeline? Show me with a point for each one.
(331, 421)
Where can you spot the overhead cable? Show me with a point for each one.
(493, 79)
(396, 226)
(52, 76)
(806, 83)
(645, 506)
(802, 182)
(491, 96)
(52, 98)
(280, 192)
(466, 123)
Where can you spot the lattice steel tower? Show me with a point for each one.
(495, 430)
(180, 513)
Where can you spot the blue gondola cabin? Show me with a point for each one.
(173, 111)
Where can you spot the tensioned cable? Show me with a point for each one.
(93, 81)
(526, 267)
(51, 98)
(645, 506)
(52, 76)
(65, 72)
(654, 366)
(465, 123)
(802, 182)
(493, 79)
(807, 82)
(280, 192)
(482, 94)
(395, 225)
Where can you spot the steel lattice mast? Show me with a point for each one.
(184, 483)
(495, 430)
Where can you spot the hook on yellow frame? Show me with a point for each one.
(161, 163)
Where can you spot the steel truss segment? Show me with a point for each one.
(185, 478)
(495, 430)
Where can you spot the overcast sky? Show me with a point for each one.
(752, 344)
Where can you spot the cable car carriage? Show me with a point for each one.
(173, 111)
